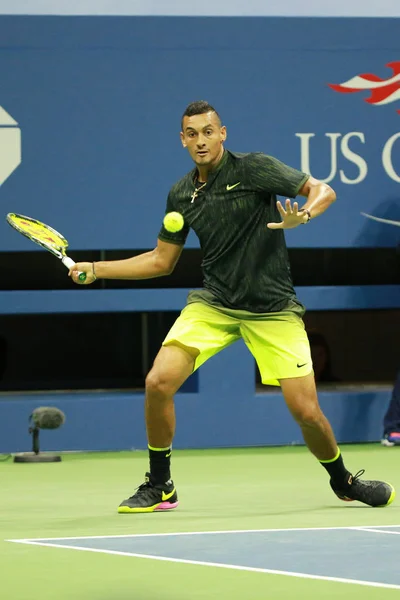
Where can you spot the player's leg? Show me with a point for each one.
(199, 332)
(280, 346)
(301, 398)
(172, 366)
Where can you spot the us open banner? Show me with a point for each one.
(10, 145)
(98, 102)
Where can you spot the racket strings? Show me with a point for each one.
(39, 231)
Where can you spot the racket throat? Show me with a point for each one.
(68, 262)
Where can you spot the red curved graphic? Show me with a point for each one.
(383, 91)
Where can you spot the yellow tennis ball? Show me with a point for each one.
(173, 222)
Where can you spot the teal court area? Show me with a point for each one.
(360, 555)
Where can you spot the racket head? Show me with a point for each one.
(40, 233)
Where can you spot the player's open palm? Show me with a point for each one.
(291, 216)
(78, 269)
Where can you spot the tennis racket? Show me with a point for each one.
(45, 236)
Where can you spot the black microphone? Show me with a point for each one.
(44, 417)
(47, 417)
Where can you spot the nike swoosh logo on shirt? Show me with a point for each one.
(165, 496)
(230, 187)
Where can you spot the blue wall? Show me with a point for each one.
(99, 100)
(223, 411)
(226, 412)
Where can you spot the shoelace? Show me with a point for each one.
(359, 474)
(141, 489)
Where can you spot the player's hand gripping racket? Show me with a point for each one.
(45, 236)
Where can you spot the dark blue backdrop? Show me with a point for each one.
(99, 101)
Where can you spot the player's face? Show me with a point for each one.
(203, 136)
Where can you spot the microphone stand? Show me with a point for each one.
(35, 439)
(35, 456)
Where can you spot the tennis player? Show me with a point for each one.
(229, 200)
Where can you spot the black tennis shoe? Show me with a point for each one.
(150, 497)
(373, 493)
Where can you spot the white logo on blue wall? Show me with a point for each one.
(10, 145)
(339, 149)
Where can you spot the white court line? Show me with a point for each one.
(221, 565)
(177, 533)
(377, 530)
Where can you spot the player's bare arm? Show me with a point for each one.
(319, 197)
(156, 263)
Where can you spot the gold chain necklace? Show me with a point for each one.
(196, 192)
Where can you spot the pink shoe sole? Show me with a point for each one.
(166, 506)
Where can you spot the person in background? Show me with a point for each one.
(391, 421)
(321, 358)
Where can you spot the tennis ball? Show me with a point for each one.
(173, 222)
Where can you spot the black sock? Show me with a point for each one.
(336, 469)
(160, 460)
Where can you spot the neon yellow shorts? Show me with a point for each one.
(278, 341)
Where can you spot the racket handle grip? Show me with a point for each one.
(69, 263)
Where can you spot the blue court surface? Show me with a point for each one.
(360, 555)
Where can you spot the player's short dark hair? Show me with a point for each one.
(200, 107)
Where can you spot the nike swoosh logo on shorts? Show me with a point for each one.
(299, 366)
(230, 187)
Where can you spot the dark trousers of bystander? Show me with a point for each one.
(391, 421)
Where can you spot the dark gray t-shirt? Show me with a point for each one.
(245, 264)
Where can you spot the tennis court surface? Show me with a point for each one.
(252, 523)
